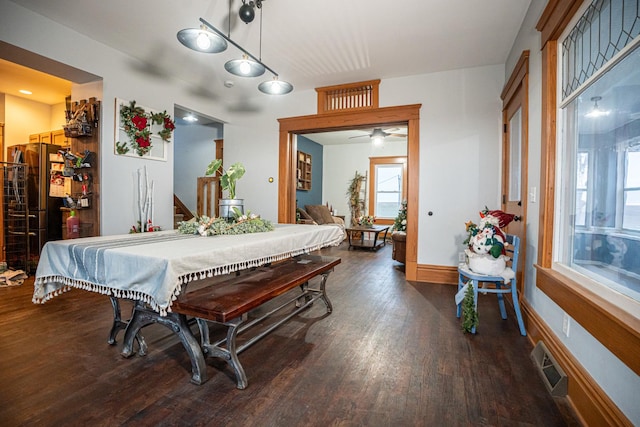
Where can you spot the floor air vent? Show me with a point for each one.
(552, 374)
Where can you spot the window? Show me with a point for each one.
(599, 148)
(631, 190)
(388, 186)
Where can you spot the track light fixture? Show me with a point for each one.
(209, 39)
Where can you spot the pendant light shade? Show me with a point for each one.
(245, 67)
(275, 87)
(202, 40)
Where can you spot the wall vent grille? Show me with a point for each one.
(551, 373)
(348, 97)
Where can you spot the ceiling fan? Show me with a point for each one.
(378, 135)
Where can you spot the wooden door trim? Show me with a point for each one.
(379, 117)
(515, 93)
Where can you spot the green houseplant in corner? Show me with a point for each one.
(228, 180)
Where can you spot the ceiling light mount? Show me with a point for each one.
(246, 11)
(596, 111)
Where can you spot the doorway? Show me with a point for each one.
(194, 148)
(408, 115)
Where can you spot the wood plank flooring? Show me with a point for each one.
(391, 354)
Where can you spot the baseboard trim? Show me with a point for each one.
(590, 403)
(437, 274)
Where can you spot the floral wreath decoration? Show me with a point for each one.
(136, 123)
(240, 224)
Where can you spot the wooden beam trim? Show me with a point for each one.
(349, 119)
(555, 18)
(517, 76)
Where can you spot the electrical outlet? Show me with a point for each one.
(462, 257)
(566, 324)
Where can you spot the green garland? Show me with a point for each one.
(469, 312)
(241, 224)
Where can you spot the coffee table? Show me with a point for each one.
(369, 236)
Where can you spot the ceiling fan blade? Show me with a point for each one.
(398, 135)
(359, 136)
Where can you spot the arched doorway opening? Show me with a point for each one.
(408, 115)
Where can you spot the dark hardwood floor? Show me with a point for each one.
(391, 354)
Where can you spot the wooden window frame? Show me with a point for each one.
(610, 324)
(387, 160)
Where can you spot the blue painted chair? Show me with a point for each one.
(500, 287)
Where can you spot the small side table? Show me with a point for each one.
(367, 243)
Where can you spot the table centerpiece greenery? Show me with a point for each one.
(241, 224)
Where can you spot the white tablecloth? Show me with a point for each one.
(152, 267)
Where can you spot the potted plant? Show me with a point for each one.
(228, 180)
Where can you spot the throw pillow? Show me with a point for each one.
(304, 214)
(319, 213)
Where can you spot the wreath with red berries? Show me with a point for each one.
(136, 123)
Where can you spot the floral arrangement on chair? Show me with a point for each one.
(400, 223)
(136, 123)
(366, 221)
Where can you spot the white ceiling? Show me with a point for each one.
(308, 43)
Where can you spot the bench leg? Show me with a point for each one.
(323, 295)
(143, 316)
(118, 325)
(230, 353)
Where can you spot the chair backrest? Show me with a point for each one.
(513, 250)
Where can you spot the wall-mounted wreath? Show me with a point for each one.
(137, 123)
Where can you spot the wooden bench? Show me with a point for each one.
(229, 302)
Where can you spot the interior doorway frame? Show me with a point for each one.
(408, 115)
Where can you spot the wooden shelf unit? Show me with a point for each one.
(89, 216)
(304, 171)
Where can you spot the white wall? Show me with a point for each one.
(23, 118)
(194, 149)
(620, 383)
(460, 152)
(341, 163)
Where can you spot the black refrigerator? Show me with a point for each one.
(45, 216)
